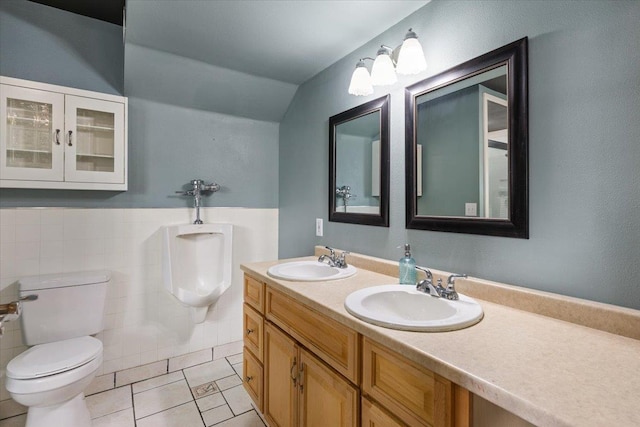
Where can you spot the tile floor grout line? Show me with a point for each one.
(166, 409)
(133, 407)
(158, 386)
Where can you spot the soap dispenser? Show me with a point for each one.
(407, 266)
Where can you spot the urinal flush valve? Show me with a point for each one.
(198, 189)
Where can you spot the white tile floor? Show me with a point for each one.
(208, 394)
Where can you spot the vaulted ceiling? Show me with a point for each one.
(289, 41)
(247, 56)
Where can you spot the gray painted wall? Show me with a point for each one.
(584, 74)
(353, 168)
(172, 79)
(169, 143)
(49, 45)
(450, 137)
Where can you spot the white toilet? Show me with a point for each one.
(197, 264)
(50, 377)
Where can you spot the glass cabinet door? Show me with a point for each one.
(94, 140)
(31, 134)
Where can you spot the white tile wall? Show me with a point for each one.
(143, 323)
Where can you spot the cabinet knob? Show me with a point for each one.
(248, 379)
(250, 331)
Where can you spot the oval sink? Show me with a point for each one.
(403, 307)
(309, 271)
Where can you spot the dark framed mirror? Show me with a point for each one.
(467, 147)
(359, 164)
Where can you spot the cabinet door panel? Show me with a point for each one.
(280, 384)
(415, 394)
(326, 399)
(94, 140)
(32, 132)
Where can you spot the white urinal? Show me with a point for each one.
(197, 264)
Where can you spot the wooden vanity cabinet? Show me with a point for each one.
(414, 394)
(253, 351)
(300, 390)
(318, 372)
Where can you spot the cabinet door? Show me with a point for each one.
(31, 134)
(280, 384)
(94, 140)
(326, 399)
(413, 393)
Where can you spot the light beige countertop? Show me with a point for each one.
(547, 371)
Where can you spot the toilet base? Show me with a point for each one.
(72, 413)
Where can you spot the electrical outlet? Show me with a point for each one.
(319, 227)
(471, 209)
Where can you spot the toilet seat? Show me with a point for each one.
(53, 358)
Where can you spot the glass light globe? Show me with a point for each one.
(383, 72)
(360, 81)
(411, 58)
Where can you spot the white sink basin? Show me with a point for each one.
(403, 307)
(309, 271)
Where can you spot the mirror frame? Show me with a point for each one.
(381, 219)
(514, 55)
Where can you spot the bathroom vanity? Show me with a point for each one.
(534, 358)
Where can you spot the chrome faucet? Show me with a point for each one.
(344, 192)
(199, 188)
(334, 261)
(439, 291)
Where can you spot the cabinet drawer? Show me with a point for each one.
(252, 377)
(374, 416)
(416, 395)
(253, 325)
(254, 293)
(331, 341)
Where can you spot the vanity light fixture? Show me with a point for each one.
(360, 80)
(411, 57)
(383, 72)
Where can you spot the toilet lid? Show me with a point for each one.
(52, 358)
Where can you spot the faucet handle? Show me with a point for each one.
(452, 279)
(342, 262)
(213, 187)
(426, 271)
(332, 252)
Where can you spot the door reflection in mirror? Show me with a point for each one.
(462, 137)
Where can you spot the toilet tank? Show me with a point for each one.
(69, 305)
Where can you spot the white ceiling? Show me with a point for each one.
(290, 41)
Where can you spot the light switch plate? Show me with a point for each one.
(319, 227)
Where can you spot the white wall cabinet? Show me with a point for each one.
(61, 138)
